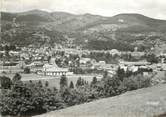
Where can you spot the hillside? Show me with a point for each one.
(148, 102)
(87, 29)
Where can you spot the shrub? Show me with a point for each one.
(94, 81)
(32, 98)
(135, 82)
(63, 82)
(71, 85)
(27, 70)
(46, 84)
(5, 82)
(17, 77)
(111, 85)
(24, 100)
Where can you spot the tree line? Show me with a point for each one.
(20, 98)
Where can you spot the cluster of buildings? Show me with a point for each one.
(36, 59)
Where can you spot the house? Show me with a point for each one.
(138, 63)
(133, 66)
(114, 52)
(12, 67)
(14, 53)
(137, 55)
(35, 66)
(85, 60)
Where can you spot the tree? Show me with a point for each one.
(105, 74)
(120, 73)
(111, 85)
(94, 81)
(27, 70)
(5, 82)
(46, 84)
(17, 77)
(39, 84)
(48, 59)
(164, 77)
(79, 82)
(71, 85)
(152, 58)
(135, 82)
(82, 82)
(63, 82)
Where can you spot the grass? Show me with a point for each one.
(53, 81)
(147, 102)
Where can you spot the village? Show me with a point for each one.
(49, 63)
(98, 58)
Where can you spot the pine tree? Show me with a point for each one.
(46, 84)
(94, 81)
(105, 74)
(39, 84)
(63, 82)
(17, 77)
(79, 81)
(71, 85)
(87, 83)
(82, 82)
(120, 73)
(17, 80)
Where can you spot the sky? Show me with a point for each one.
(151, 8)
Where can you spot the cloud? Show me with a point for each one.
(151, 8)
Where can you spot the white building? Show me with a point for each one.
(114, 52)
(54, 70)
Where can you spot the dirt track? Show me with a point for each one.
(148, 102)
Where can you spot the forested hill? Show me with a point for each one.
(88, 30)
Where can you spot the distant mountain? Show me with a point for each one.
(70, 21)
(31, 16)
(131, 21)
(133, 29)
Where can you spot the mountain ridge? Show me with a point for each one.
(125, 27)
(44, 11)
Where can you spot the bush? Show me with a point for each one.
(63, 82)
(111, 85)
(27, 70)
(28, 99)
(33, 98)
(71, 85)
(94, 81)
(5, 82)
(152, 58)
(135, 82)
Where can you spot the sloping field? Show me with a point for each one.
(148, 102)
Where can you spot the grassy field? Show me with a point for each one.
(147, 102)
(53, 81)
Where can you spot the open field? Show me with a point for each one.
(147, 102)
(53, 81)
